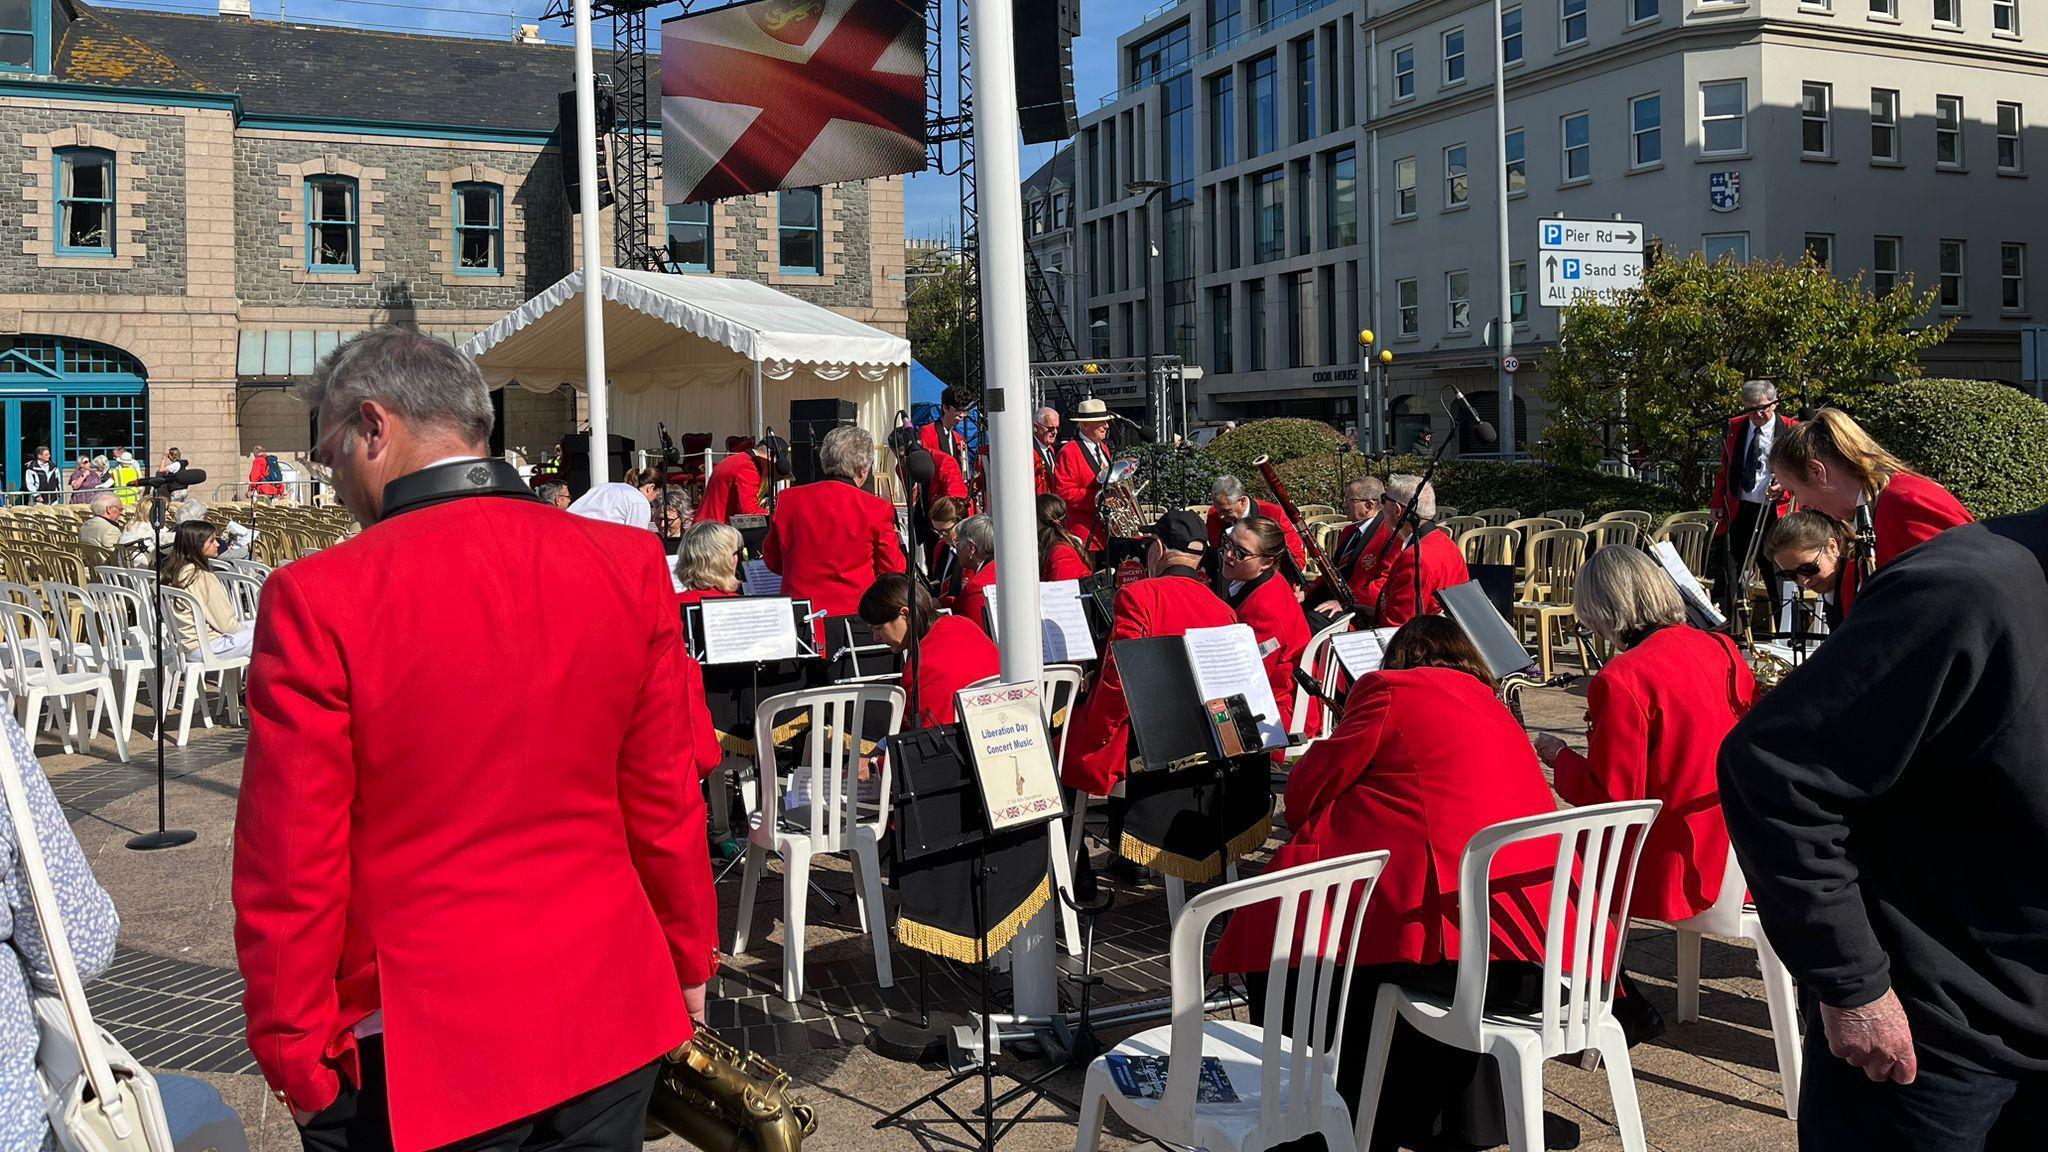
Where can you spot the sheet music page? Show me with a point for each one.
(744, 629)
(757, 580)
(1361, 652)
(1063, 621)
(1226, 662)
(1696, 597)
(1006, 736)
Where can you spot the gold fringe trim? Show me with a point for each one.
(739, 746)
(1195, 871)
(966, 949)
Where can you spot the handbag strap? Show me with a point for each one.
(43, 894)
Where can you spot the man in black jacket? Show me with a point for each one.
(1889, 805)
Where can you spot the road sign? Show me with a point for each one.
(1591, 236)
(1584, 261)
(1511, 364)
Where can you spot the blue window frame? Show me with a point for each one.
(85, 202)
(479, 230)
(332, 240)
(25, 36)
(689, 236)
(800, 218)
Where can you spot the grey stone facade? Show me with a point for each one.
(160, 270)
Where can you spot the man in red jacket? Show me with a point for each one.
(473, 905)
(945, 436)
(1359, 542)
(1392, 593)
(734, 486)
(1077, 477)
(829, 539)
(1747, 499)
(1045, 438)
(1230, 503)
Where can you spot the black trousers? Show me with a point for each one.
(1947, 1108)
(1750, 520)
(608, 1118)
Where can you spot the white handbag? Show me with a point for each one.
(98, 1097)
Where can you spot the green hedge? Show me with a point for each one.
(1985, 441)
(1282, 440)
(1172, 478)
(1469, 485)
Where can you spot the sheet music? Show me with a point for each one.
(756, 579)
(1697, 603)
(1226, 662)
(1361, 652)
(1063, 621)
(744, 630)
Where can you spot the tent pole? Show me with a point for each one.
(760, 406)
(593, 256)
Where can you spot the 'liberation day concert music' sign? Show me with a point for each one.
(1006, 737)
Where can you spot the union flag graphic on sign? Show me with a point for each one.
(789, 94)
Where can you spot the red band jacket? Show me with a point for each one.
(733, 489)
(829, 540)
(951, 656)
(1077, 480)
(1911, 510)
(1443, 566)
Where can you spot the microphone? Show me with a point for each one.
(1487, 433)
(189, 478)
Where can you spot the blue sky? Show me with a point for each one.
(932, 201)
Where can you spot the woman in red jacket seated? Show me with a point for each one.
(1832, 465)
(707, 566)
(951, 653)
(1425, 757)
(1060, 556)
(1264, 599)
(708, 563)
(1656, 716)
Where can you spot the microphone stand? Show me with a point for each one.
(1413, 522)
(163, 837)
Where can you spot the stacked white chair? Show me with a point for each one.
(126, 628)
(37, 676)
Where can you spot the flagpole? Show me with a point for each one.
(595, 385)
(1006, 361)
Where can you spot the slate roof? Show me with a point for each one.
(1059, 168)
(311, 70)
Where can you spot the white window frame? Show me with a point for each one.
(1740, 118)
(1961, 276)
(1826, 119)
(1452, 300)
(1565, 147)
(1565, 16)
(1411, 188)
(2009, 11)
(1826, 245)
(1957, 164)
(1827, 6)
(1955, 8)
(1408, 316)
(1518, 36)
(2017, 136)
(2007, 280)
(1740, 250)
(1401, 74)
(1884, 10)
(1890, 97)
(1636, 133)
(1449, 56)
(1518, 297)
(1452, 179)
(1878, 267)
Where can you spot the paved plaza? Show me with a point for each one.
(172, 994)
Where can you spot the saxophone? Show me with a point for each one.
(718, 1101)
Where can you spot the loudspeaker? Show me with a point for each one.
(576, 460)
(1044, 32)
(571, 144)
(809, 420)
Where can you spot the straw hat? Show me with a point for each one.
(1090, 411)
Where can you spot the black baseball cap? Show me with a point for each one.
(1179, 530)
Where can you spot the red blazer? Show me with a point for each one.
(1909, 512)
(1066, 563)
(1167, 605)
(829, 540)
(1044, 461)
(1359, 572)
(953, 445)
(972, 603)
(1076, 481)
(1723, 501)
(1423, 759)
(1270, 512)
(954, 655)
(947, 480)
(699, 595)
(509, 864)
(1443, 566)
(733, 489)
(1658, 713)
(1275, 615)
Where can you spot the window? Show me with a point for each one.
(1404, 72)
(1885, 9)
(1948, 131)
(1265, 124)
(1227, 227)
(1222, 120)
(1454, 56)
(2005, 16)
(1458, 301)
(1571, 15)
(1724, 106)
(85, 202)
(480, 230)
(1518, 291)
(24, 26)
(1640, 11)
(2012, 277)
(1304, 88)
(1301, 320)
(1818, 5)
(1884, 125)
(689, 236)
(1219, 328)
(1646, 130)
(1517, 156)
(1719, 246)
(1341, 174)
(1952, 298)
(1948, 13)
(1815, 135)
(1270, 219)
(1511, 36)
(1062, 209)
(1255, 324)
(1299, 182)
(1098, 333)
(2008, 137)
(1457, 188)
(1884, 263)
(1820, 248)
(1576, 135)
(800, 214)
(1226, 20)
(331, 239)
(1408, 307)
(1404, 188)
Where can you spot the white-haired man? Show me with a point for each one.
(1230, 503)
(1416, 562)
(100, 534)
(1045, 436)
(1747, 499)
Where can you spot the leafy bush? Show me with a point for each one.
(1985, 441)
(1280, 439)
(1174, 478)
(1469, 485)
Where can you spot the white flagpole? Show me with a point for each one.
(595, 384)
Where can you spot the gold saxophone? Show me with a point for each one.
(718, 1101)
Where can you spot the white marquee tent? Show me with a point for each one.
(700, 354)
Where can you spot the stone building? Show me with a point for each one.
(210, 203)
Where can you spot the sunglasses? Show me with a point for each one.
(1806, 571)
(1241, 552)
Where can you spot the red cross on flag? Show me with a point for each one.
(789, 94)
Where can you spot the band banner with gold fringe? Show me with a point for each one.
(1175, 822)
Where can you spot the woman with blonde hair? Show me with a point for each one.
(1832, 465)
(708, 564)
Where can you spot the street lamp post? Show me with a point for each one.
(1155, 407)
(1507, 324)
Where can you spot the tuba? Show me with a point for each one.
(1118, 501)
(718, 1101)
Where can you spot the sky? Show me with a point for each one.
(932, 201)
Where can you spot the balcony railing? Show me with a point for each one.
(1305, 8)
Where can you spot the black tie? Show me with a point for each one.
(1753, 461)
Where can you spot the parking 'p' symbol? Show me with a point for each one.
(1553, 234)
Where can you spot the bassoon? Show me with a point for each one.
(1326, 573)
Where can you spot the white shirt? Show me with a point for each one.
(1765, 434)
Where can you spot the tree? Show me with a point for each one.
(1651, 373)
(943, 303)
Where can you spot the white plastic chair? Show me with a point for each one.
(1603, 842)
(830, 819)
(191, 666)
(126, 621)
(1286, 1084)
(1732, 915)
(243, 589)
(1059, 690)
(1321, 663)
(35, 669)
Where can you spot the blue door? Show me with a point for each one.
(75, 397)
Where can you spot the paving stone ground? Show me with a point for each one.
(173, 996)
